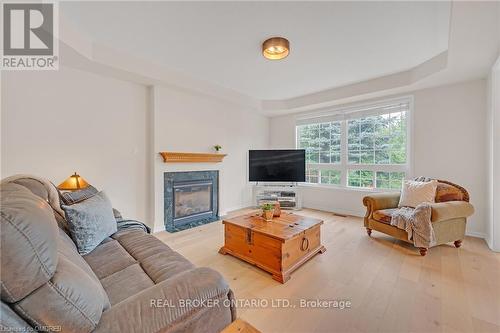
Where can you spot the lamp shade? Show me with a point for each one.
(72, 183)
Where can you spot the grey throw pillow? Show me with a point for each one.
(90, 222)
(73, 197)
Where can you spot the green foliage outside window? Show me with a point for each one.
(377, 139)
(372, 140)
(360, 178)
(321, 142)
(390, 180)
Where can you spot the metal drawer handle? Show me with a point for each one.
(305, 244)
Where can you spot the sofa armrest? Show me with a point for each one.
(379, 201)
(168, 306)
(443, 211)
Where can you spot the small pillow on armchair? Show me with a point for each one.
(413, 193)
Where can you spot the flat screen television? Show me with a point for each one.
(277, 165)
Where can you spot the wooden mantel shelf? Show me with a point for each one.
(176, 157)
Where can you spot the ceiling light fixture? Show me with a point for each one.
(275, 48)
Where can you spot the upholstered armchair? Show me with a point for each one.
(449, 214)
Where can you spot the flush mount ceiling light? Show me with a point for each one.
(275, 48)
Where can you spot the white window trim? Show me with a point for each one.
(342, 113)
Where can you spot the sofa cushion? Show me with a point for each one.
(136, 314)
(38, 188)
(28, 241)
(158, 260)
(125, 283)
(384, 215)
(67, 249)
(71, 300)
(108, 258)
(11, 322)
(90, 222)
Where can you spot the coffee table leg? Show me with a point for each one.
(222, 250)
(322, 249)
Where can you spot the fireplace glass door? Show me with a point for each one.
(192, 199)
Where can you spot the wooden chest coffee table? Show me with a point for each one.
(278, 247)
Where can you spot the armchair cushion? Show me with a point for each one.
(450, 210)
(384, 215)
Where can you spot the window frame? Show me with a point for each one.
(359, 110)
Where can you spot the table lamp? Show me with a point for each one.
(73, 183)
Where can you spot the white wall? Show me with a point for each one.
(493, 133)
(449, 142)
(58, 122)
(189, 122)
(110, 131)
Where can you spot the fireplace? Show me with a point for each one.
(190, 199)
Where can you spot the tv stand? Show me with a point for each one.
(288, 195)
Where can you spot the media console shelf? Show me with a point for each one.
(287, 195)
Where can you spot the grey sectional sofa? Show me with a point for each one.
(132, 282)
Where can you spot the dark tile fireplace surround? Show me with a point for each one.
(191, 198)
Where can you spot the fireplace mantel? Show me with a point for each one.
(177, 157)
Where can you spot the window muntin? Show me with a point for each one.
(379, 139)
(321, 142)
(389, 180)
(360, 178)
(323, 176)
(332, 177)
(360, 149)
(312, 175)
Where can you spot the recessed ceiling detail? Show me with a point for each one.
(471, 50)
(334, 43)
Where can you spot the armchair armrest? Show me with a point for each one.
(163, 307)
(442, 211)
(379, 201)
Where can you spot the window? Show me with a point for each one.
(321, 142)
(363, 147)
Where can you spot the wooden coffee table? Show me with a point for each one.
(278, 247)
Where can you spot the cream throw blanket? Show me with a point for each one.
(417, 223)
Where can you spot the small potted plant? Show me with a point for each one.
(217, 148)
(268, 211)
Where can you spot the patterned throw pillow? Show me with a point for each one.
(90, 222)
(73, 197)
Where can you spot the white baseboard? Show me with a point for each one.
(475, 234)
(232, 209)
(487, 239)
(338, 211)
(158, 229)
(492, 246)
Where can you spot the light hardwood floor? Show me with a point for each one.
(391, 287)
